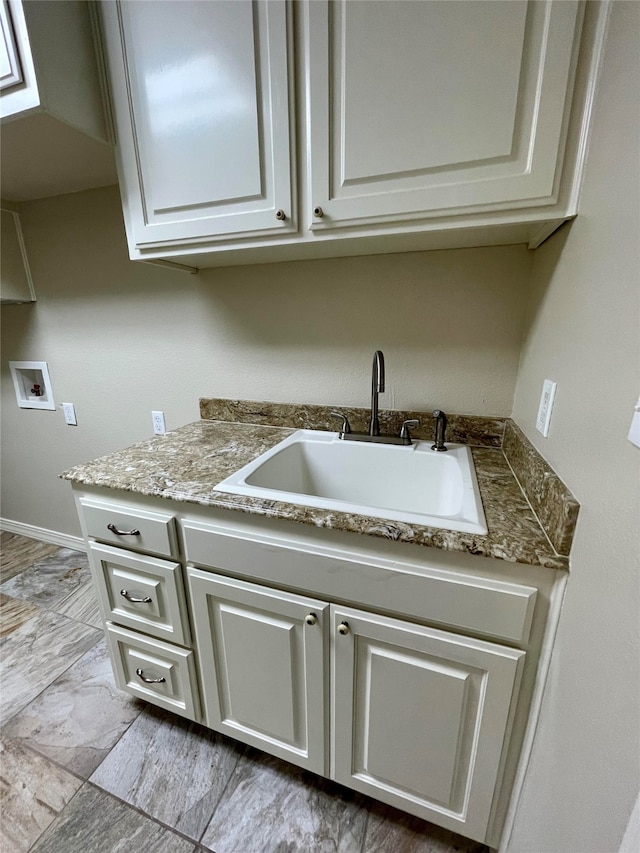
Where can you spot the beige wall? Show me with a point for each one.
(122, 339)
(583, 331)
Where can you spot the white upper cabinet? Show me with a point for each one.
(391, 125)
(49, 65)
(421, 108)
(55, 134)
(201, 101)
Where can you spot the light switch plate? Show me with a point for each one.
(546, 405)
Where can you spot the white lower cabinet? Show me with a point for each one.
(419, 716)
(405, 674)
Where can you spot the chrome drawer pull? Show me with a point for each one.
(133, 600)
(115, 530)
(140, 675)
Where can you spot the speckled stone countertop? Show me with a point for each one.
(185, 464)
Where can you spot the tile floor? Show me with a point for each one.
(85, 768)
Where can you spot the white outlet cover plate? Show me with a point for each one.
(546, 405)
(159, 425)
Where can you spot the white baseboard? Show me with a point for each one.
(64, 540)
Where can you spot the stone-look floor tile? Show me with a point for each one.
(32, 792)
(18, 552)
(94, 822)
(82, 604)
(80, 716)
(61, 582)
(52, 580)
(171, 769)
(273, 807)
(13, 613)
(389, 829)
(35, 654)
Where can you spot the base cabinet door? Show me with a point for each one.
(261, 657)
(420, 717)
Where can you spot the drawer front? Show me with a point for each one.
(141, 592)
(157, 672)
(130, 527)
(495, 608)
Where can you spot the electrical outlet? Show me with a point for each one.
(69, 414)
(159, 427)
(546, 405)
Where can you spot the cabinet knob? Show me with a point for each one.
(311, 619)
(281, 215)
(343, 628)
(142, 677)
(318, 211)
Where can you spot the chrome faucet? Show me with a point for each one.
(373, 433)
(377, 386)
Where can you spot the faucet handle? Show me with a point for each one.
(346, 426)
(404, 432)
(441, 427)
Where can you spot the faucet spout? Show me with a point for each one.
(377, 386)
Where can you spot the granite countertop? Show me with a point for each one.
(185, 464)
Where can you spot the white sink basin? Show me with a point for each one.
(413, 484)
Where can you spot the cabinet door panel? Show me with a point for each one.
(421, 108)
(10, 71)
(261, 665)
(420, 717)
(202, 113)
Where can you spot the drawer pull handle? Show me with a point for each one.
(114, 529)
(142, 677)
(311, 618)
(343, 628)
(125, 594)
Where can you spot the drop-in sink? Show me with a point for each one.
(413, 484)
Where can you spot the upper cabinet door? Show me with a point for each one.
(201, 100)
(423, 109)
(10, 70)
